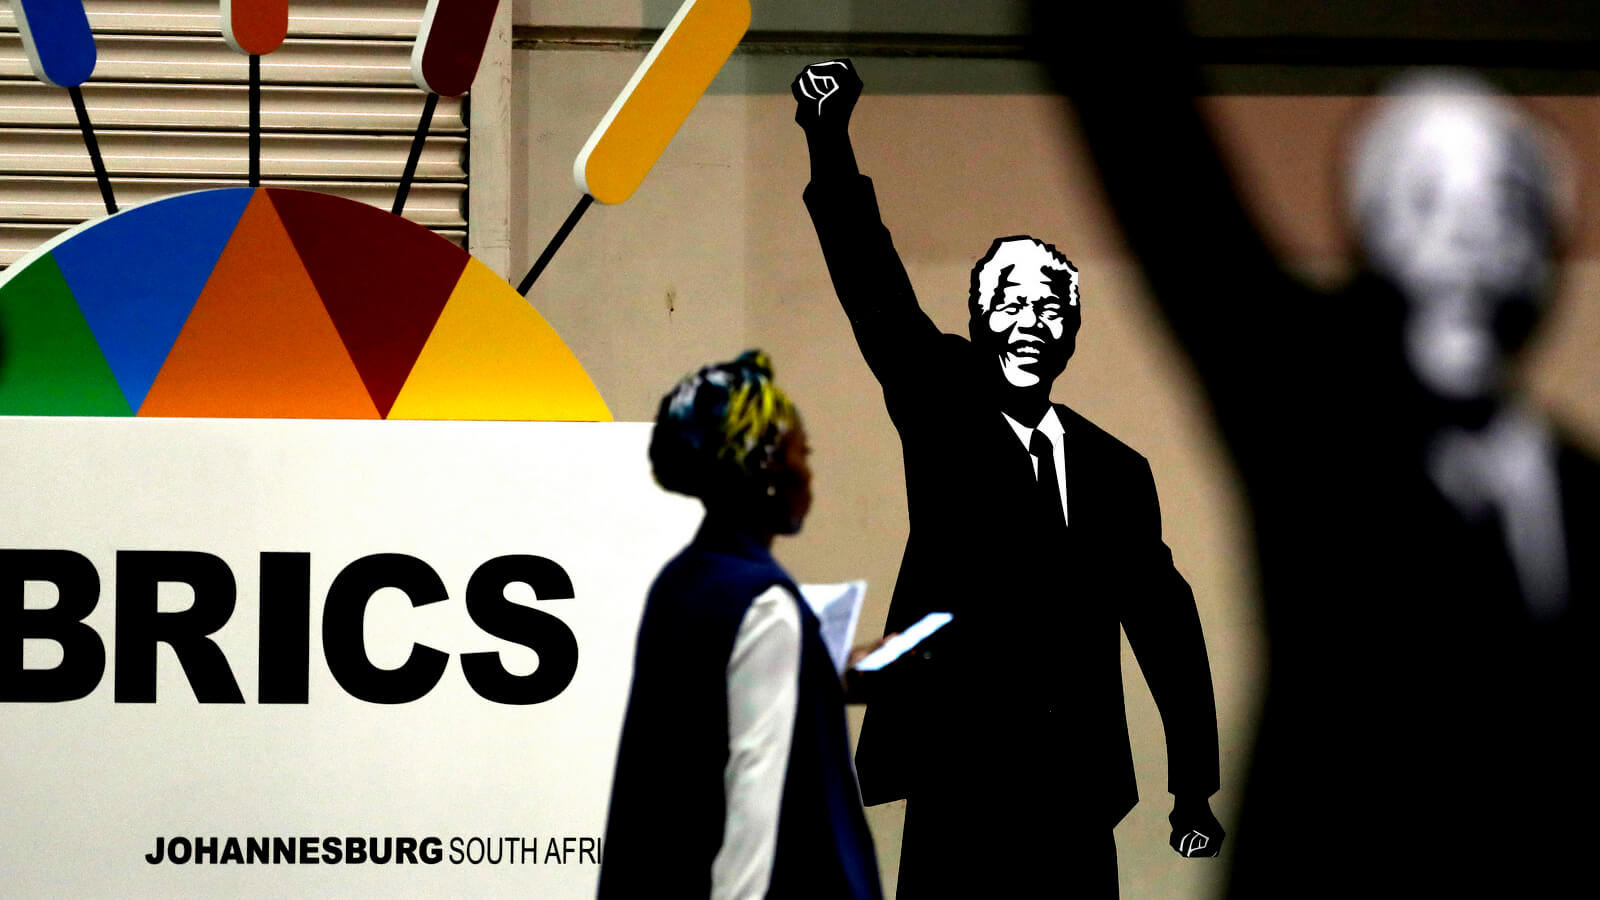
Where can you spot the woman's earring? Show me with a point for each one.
(772, 490)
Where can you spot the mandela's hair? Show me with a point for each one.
(1451, 103)
(720, 427)
(1008, 253)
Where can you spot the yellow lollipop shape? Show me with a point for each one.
(657, 100)
(651, 108)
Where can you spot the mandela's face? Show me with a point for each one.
(1030, 326)
(1462, 228)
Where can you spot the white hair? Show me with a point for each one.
(1009, 253)
(1445, 103)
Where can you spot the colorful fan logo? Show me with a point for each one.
(269, 303)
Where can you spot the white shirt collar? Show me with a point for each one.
(1050, 425)
(1511, 466)
(1052, 428)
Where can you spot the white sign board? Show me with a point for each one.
(358, 733)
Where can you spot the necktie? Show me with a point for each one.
(1049, 489)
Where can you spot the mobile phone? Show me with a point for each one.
(902, 643)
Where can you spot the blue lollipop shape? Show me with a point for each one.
(61, 52)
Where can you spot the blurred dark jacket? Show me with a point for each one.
(668, 807)
(1422, 731)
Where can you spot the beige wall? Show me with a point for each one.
(715, 254)
(944, 16)
(1560, 20)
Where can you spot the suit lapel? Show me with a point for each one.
(1071, 445)
(1011, 486)
(1012, 458)
(1579, 489)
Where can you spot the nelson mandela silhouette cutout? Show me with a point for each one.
(1041, 533)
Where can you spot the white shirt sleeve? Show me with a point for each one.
(1512, 466)
(763, 690)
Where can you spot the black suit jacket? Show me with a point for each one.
(1021, 702)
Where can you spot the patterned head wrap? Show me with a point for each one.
(720, 426)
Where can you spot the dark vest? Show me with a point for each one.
(667, 803)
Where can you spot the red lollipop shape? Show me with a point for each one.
(450, 45)
(255, 27)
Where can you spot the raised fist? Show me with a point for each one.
(825, 94)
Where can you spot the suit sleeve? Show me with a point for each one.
(1163, 627)
(896, 337)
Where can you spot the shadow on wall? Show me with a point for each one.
(810, 24)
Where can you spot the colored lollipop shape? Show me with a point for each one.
(255, 28)
(651, 108)
(57, 39)
(656, 101)
(60, 48)
(444, 62)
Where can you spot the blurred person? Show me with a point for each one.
(733, 776)
(1041, 534)
(1425, 536)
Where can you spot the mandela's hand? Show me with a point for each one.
(825, 93)
(1195, 831)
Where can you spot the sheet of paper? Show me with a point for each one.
(900, 644)
(837, 607)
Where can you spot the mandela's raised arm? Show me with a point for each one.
(867, 273)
